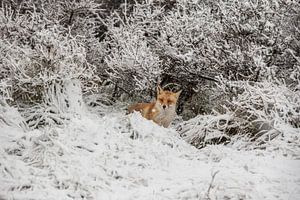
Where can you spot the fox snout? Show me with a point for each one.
(166, 106)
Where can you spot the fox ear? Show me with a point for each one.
(159, 90)
(178, 93)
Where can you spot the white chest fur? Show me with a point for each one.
(166, 116)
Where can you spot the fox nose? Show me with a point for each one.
(164, 106)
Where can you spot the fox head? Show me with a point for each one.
(166, 99)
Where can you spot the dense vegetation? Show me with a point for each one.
(238, 62)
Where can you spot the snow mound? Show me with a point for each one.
(121, 156)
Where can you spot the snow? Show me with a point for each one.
(118, 156)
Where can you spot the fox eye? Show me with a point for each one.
(169, 101)
(160, 99)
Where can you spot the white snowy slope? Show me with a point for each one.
(120, 156)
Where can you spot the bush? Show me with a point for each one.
(256, 114)
(52, 48)
(193, 42)
(44, 51)
(131, 62)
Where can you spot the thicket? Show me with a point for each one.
(238, 61)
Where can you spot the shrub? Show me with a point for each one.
(192, 42)
(257, 113)
(43, 55)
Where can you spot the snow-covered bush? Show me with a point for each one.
(239, 40)
(131, 61)
(257, 113)
(44, 51)
(130, 47)
(191, 42)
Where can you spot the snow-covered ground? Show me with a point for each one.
(118, 156)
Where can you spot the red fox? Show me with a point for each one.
(162, 111)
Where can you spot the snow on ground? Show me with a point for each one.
(119, 156)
